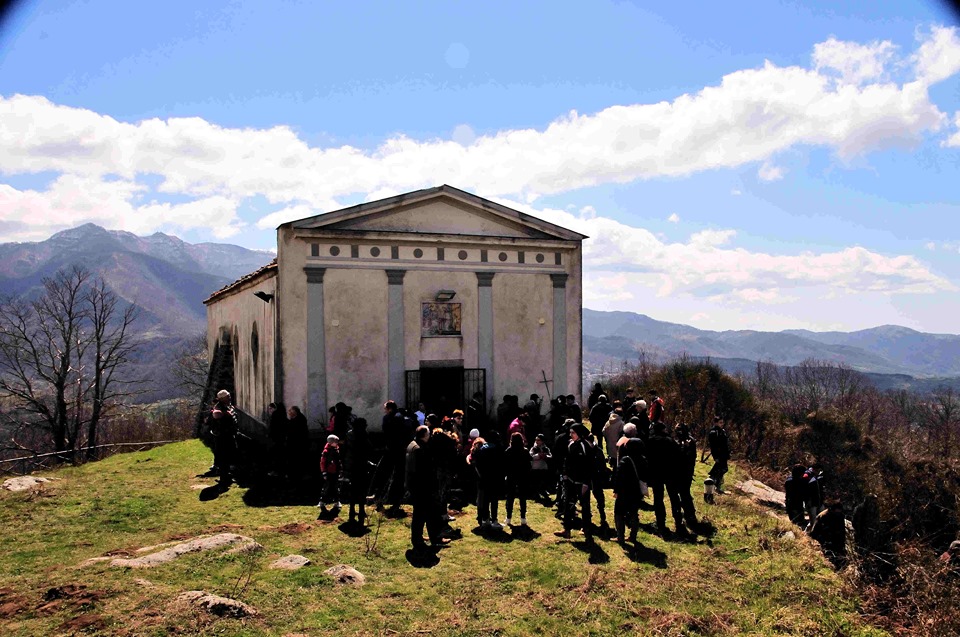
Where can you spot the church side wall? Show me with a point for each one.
(355, 323)
(523, 348)
(249, 324)
(291, 257)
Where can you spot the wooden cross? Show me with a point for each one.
(546, 387)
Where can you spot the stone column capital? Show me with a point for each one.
(314, 275)
(559, 280)
(395, 277)
(485, 279)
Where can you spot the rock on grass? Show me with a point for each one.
(216, 605)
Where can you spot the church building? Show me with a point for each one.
(428, 296)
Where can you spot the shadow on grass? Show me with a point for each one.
(523, 533)
(645, 555)
(268, 493)
(704, 528)
(595, 552)
(213, 492)
(422, 559)
(493, 535)
(353, 529)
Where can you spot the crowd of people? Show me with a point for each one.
(566, 456)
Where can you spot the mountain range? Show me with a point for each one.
(614, 337)
(165, 276)
(169, 278)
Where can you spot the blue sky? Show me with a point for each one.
(745, 165)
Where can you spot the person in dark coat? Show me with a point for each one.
(556, 415)
(397, 435)
(277, 432)
(627, 489)
(560, 446)
(685, 471)
(719, 443)
(830, 530)
(476, 415)
(357, 454)
(573, 408)
(795, 488)
(342, 417)
(488, 462)
(518, 465)
(663, 462)
(298, 441)
(594, 396)
(599, 414)
(222, 423)
(535, 418)
(578, 471)
(601, 478)
(422, 490)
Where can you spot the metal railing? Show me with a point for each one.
(47, 461)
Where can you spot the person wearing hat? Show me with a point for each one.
(330, 468)
(222, 422)
(578, 470)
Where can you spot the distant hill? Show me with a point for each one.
(167, 278)
(891, 356)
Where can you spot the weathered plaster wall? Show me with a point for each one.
(523, 348)
(292, 297)
(422, 285)
(240, 314)
(355, 323)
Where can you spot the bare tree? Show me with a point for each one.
(191, 366)
(62, 355)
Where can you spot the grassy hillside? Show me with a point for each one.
(744, 580)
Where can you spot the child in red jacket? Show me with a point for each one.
(330, 468)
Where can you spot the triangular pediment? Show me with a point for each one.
(442, 210)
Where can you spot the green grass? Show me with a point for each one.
(745, 580)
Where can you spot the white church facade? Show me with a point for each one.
(427, 296)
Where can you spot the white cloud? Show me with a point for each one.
(71, 200)
(769, 172)
(855, 63)
(931, 246)
(279, 217)
(736, 192)
(749, 117)
(674, 218)
(752, 296)
(707, 265)
(938, 56)
(954, 140)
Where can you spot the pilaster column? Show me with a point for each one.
(485, 329)
(559, 334)
(396, 359)
(316, 347)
